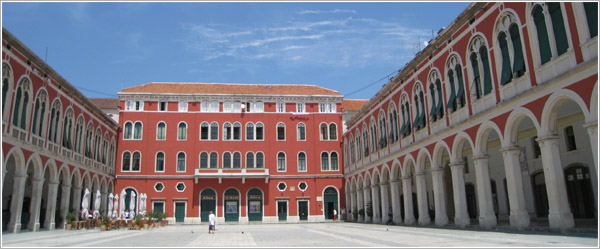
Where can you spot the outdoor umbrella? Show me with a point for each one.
(116, 206)
(97, 201)
(85, 203)
(110, 205)
(122, 204)
(132, 204)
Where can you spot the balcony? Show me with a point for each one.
(231, 174)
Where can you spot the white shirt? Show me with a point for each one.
(211, 219)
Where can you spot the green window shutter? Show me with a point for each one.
(417, 115)
(476, 78)
(542, 32)
(591, 13)
(24, 111)
(506, 75)
(35, 114)
(433, 105)
(422, 118)
(461, 89)
(519, 63)
(558, 25)
(16, 110)
(452, 98)
(440, 104)
(487, 78)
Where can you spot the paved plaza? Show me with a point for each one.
(336, 234)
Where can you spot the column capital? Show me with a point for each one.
(437, 169)
(53, 182)
(406, 178)
(510, 148)
(384, 184)
(551, 137)
(591, 125)
(456, 164)
(419, 174)
(480, 157)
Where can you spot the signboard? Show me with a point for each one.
(254, 207)
(231, 197)
(231, 206)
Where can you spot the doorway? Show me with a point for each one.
(330, 201)
(208, 202)
(282, 210)
(179, 211)
(303, 210)
(579, 190)
(232, 202)
(471, 200)
(255, 205)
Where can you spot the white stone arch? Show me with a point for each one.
(375, 177)
(19, 157)
(396, 170)
(359, 182)
(594, 104)
(64, 172)
(512, 124)
(52, 170)
(409, 163)
(111, 186)
(386, 173)
(95, 183)
(553, 105)
(103, 185)
(77, 177)
(36, 162)
(8, 73)
(438, 152)
(86, 181)
(421, 158)
(481, 139)
(458, 146)
(367, 179)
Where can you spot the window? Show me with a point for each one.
(126, 132)
(67, 129)
(38, 114)
(237, 106)
(327, 107)
(227, 131)
(324, 132)
(281, 161)
(300, 107)
(183, 106)
(137, 131)
(393, 123)
(332, 107)
(54, 119)
(129, 105)
(358, 154)
(324, 161)
(159, 186)
(365, 141)
(135, 162)
(182, 131)
(227, 106)
(249, 131)
(259, 131)
(302, 186)
(591, 14)
(280, 107)
(136, 105)
(374, 146)
(79, 134)
(204, 131)
(214, 131)
(301, 132)
(280, 132)
(281, 186)
(126, 164)
(180, 187)
(214, 160)
(204, 106)
(214, 106)
(203, 160)
(537, 152)
(456, 99)
(180, 162)
(570, 138)
(226, 160)
(480, 67)
(511, 51)
(237, 131)
(332, 131)
(436, 101)
(160, 161)
(260, 160)
(302, 161)
(160, 131)
(334, 161)
(322, 107)
(352, 150)
(162, 106)
(237, 160)
(540, 14)
(249, 160)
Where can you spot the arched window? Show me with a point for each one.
(249, 160)
(203, 160)
(161, 131)
(301, 161)
(227, 131)
(324, 132)
(324, 161)
(393, 123)
(237, 131)
(126, 164)
(21, 103)
(97, 145)
(127, 131)
(550, 14)
(182, 131)
(259, 131)
(249, 131)
(334, 161)
(104, 148)
(419, 103)
(88, 140)
(237, 160)
(591, 15)
(260, 160)
(358, 146)
(281, 161)
(480, 67)
(352, 150)
(137, 130)
(332, 131)
(214, 131)
(373, 134)
(39, 114)
(68, 129)
(6, 78)
(204, 131)
(365, 134)
(280, 132)
(160, 162)
(214, 160)
(79, 134)
(435, 89)
(54, 122)
(382, 131)
(456, 99)
(135, 161)
(301, 132)
(510, 48)
(181, 161)
(226, 160)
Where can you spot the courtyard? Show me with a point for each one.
(329, 234)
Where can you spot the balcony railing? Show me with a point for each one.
(232, 174)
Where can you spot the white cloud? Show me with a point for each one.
(304, 12)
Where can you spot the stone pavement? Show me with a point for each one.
(328, 234)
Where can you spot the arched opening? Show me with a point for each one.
(255, 205)
(208, 202)
(231, 203)
(7, 191)
(330, 202)
(579, 190)
(45, 203)
(131, 199)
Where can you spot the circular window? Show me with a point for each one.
(281, 186)
(302, 186)
(180, 187)
(159, 187)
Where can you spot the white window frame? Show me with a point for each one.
(159, 105)
(280, 107)
(204, 106)
(227, 106)
(183, 106)
(300, 107)
(214, 106)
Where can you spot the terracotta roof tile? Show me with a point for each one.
(227, 88)
(353, 104)
(106, 103)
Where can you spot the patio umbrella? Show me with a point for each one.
(116, 206)
(122, 204)
(132, 201)
(97, 201)
(110, 205)
(85, 203)
(142, 208)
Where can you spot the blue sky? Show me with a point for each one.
(101, 48)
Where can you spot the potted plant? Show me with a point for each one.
(70, 217)
(147, 221)
(163, 219)
(138, 222)
(355, 214)
(104, 223)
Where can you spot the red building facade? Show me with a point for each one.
(264, 153)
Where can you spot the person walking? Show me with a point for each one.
(334, 214)
(211, 222)
(390, 216)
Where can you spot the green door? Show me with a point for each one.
(282, 210)
(303, 210)
(330, 201)
(232, 201)
(179, 211)
(208, 202)
(255, 205)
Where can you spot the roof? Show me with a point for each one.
(353, 104)
(106, 103)
(228, 88)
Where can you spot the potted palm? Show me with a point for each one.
(70, 217)
(163, 219)
(104, 223)
(147, 221)
(138, 222)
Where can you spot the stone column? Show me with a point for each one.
(560, 216)
(592, 129)
(49, 222)
(439, 198)
(348, 205)
(353, 200)
(396, 209)
(461, 215)
(375, 204)
(36, 201)
(385, 204)
(519, 217)
(77, 200)
(366, 199)
(64, 204)
(409, 216)
(360, 205)
(16, 204)
(487, 217)
(421, 185)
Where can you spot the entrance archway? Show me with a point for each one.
(208, 202)
(232, 203)
(330, 202)
(255, 202)
(579, 190)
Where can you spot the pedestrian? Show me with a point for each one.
(211, 222)
(390, 216)
(334, 214)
